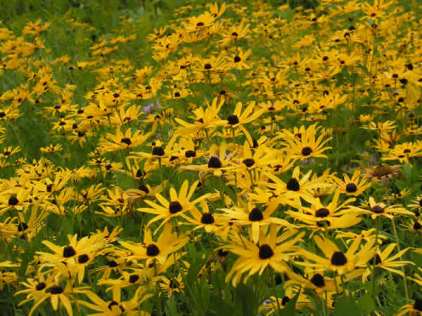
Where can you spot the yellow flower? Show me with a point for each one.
(376, 209)
(384, 260)
(59, 295)
(336, 260)
(204, 119)
(150, 251)
(354, 185)
(334, 215)
(122, 140)
(305, 143)
(178, 203)
(273, 251)
(255, 216)
(116, 306)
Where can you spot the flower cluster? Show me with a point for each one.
(236, 146)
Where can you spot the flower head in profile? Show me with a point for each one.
(379, 209)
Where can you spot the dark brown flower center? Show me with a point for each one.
(265, 252)
(190, 153)
(293, 185)
(68, 252)
(55, 290)
(126, 140)
(152, 250)
(214, 163)
(255, 215)
(207, 218)
(351, 188)
(13, 200)
(378, 209)
(158, 151)
(233, 119)
(175, 207)
(133, 278)
(112, 264)
(318, 280)
(83, 258)
(248, 162)
(40, 286)
(306, 151)
(338, 259)
(322, 212)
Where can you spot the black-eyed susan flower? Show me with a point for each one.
(60, 294)
(334, 215)
(70, 260)
(211, 222)
(218, 162)
(204, 119)
(384, 259)
(122, 140)
(117, 305)
(167, 243)
(7, 277)
(296, 188)
(336, 260)
(274, 250)
(177, 204)
(376, 209)
(305, 143)
(255, 217)
(404, 152)
(354, 185)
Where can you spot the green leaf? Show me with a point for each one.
(345, 306)
(367, 304)
(247, 299)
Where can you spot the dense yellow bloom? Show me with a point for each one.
(304, 143)
(149, 250)
(274, 250)
(204, 118)
(334, 215)
(178, 148)
(177, 204)
(122, 140)
(336, 260)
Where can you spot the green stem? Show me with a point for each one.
(275, 292)
(396, 236)
(325, 304)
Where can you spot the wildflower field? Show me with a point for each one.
(195, 158)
